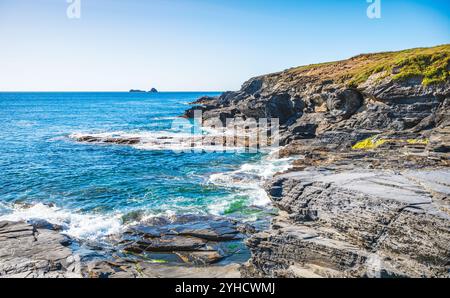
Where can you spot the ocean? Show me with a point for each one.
(94, 190)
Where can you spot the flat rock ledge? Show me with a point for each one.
(187, 246)
(371, 223)
(26, 251)
(122, 268)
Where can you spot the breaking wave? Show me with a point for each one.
(161, 140)
(79, 226)
(249, 181)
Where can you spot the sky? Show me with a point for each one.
(196, 45)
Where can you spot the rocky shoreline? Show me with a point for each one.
(188, 245)
(360, 223)
(368, 194)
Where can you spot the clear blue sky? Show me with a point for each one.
(196, 44)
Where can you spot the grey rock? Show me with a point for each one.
(29, 252)
(108, 140)
(194, 239)
(355, 224)
(167, 244)
(123, 269)
(345, 103)
(200, 257)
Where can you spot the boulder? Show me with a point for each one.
(344, 103)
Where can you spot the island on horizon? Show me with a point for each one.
(153, 90)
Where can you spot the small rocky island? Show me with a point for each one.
(367, 196)
(153, 90)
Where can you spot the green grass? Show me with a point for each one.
(431, 65)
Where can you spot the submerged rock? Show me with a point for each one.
(107, 140)
(166, 244)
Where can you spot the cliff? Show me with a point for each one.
(368, 194)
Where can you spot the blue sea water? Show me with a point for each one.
(93, 190)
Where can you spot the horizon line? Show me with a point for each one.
(99, 91)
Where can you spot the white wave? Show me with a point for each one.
(4, 209)
(165, 118)
(79, 226)
(249, 179)
(164, 140)
(25, 123)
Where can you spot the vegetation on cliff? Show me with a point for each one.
(430, 65)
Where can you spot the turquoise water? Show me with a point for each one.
(94, 189)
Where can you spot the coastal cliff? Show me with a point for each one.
(368, 193)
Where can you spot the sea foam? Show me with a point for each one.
(249, 181)
(76, 225)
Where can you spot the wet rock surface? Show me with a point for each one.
(194, 239)
(180, 246)
(107, 140)
(177, 246)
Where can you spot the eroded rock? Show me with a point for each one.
(26, 251)
(355, 224)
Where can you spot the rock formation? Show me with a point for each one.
(368, 194)
(182, 246)
(178, 246)
(34, 251)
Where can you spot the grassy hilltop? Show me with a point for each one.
(432, 65)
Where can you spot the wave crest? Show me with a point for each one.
(78, 226)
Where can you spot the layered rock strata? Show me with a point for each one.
(33, 251)
(368, 193)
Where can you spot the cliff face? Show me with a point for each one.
(368, 194)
